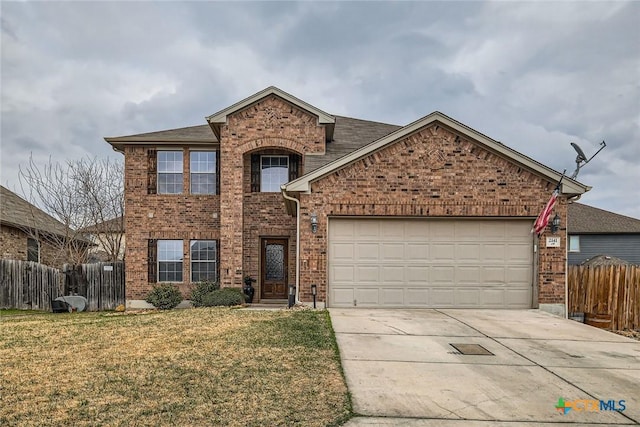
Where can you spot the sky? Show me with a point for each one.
(535, 76)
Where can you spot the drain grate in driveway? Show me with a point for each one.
(472, 349)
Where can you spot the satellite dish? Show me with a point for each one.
(581, 157)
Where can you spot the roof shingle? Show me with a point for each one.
(17, 212)
(584, 219)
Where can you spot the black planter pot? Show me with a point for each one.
(249, 291)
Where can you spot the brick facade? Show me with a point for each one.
(434, 172)
(13, 244)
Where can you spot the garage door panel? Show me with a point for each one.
(430, 263)
(417, 252)
(367, 274)
(468, 275)
(343, 251)
(342, 273)
(367, 297)
(418, 297)
(468, 252)
(442, 297)
(493, 252)
(367, 251)
(342, 297)
(392, 251)
(393, 274)
(443, 252)
(392, 297)
(417, 274)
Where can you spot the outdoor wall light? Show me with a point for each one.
(314, 292)
(555, 223)
(314, 223)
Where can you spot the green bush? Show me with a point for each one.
(224, 297)
(200, 290)
(164, 296)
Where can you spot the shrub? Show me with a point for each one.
(201, 289)
(224, 297)
(164, 296)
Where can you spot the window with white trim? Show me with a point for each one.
(574, 243)
(274, 171)
(169, 172)
(170, 259)
(203, 172)
(204, 260)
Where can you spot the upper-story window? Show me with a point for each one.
(274, 171)
(169, 172)
(269, 172)
(203, 172)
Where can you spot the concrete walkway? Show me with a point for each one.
(401, 368)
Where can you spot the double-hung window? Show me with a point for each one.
(274, 171)
(203, 260)
(33, 250)
(203, 172)
(170, 260)
(169, 172)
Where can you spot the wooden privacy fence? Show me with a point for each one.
(29, 285)
(101, 283)
(606, 293)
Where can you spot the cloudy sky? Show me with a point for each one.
(535, 76)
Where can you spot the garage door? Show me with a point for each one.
(430, 263)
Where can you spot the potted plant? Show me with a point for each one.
(248, 289)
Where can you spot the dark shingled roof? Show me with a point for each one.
(349, 135)
(583, 219)
(200, 133)
(17, 212)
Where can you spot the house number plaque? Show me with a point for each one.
(553, 242)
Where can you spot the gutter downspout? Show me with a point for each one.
(286, 196)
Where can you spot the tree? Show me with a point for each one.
(86, 196)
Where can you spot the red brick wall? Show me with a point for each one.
(432, 173)
(162, 216)
(271, 124)
(13, 245)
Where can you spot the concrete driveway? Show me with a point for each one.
(401, 368)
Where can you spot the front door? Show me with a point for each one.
(274, 269)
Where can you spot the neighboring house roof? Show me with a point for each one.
(201, 134)
(604, 260)
(569, 186)
(584, 219)
(220, 117)
(114, 225)
(17, 212)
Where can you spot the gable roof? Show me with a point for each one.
(569, 186)
(216, 119)
(584, 219)
(349, 134)
(201, 134)
(17, 212)
(113, 225)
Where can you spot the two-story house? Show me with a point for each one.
(431, 214)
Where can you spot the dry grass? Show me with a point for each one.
(201, 367)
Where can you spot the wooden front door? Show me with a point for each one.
(273, 283)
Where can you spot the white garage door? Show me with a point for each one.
(430, 263)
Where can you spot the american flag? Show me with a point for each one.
(543, 219)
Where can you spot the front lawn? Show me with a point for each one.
(196, 367)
